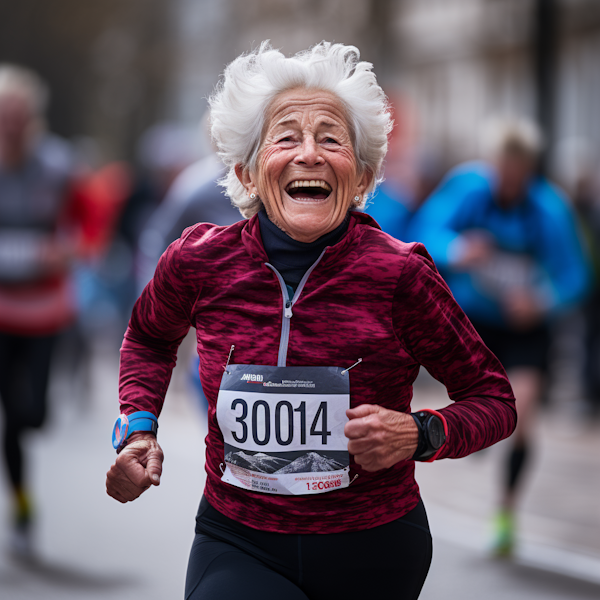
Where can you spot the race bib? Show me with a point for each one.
(283, 428)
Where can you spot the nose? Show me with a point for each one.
(310, 153)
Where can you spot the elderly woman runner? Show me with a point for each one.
(311, 326)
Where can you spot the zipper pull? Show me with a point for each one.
(287, 311)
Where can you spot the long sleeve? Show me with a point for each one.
(159, 322)
(561, 251)
(438, 335)
(434, 224)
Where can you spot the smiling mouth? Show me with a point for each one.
(308, 190)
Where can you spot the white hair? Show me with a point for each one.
(506, 135)
(252, 81)
(15, 80)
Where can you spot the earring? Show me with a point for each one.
(356, 198)
(252, 196)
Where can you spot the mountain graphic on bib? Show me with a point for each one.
(312, 462)
(261, 462)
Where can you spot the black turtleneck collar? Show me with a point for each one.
(290, 257)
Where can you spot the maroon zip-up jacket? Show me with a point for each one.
(370, 296)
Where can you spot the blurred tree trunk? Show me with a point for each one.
(544, 59)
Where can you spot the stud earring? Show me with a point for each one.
(252, 196)
(356, 198)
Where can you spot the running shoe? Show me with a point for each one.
(504, 534)
(21, 538)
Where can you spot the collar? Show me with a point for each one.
(357, 221)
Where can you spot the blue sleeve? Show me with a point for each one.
(434, 223)
(562, 252)
(390, 213)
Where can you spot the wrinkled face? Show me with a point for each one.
(306, 175)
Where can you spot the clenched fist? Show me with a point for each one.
(138, 466)
(379, 437)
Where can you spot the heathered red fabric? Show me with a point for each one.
(370, 297)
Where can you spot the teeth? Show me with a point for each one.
(309, 183)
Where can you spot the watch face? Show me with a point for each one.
(435, 430)
(120, 431)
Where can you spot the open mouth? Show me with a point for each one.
(308, 190)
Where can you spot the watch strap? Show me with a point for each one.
(424, 453)
(142, 421)
(125, 425)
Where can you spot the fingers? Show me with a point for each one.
(142, 462)
(362, 411)
(154, 466)
(362, 419)
(360, 445)
(369, 463)
(133, 471)
(137, 467)
(120, 487)
(378, 437)
(375, 459)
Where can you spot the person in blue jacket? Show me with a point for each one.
(395, 204)
(391, 211)
(507, 243)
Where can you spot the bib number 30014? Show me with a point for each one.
(283, 428)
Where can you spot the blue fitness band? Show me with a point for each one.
(126, 425)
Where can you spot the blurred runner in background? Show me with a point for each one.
(36, 245)
(194, 197)
(163, 151)
(97, 202)
(508, 245)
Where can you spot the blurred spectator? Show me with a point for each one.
(509, 247)
(194, 197)
(163, 151)
(99, 199)
(37, 243)
(99, 273)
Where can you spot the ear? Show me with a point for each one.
(364, 182)
(245, 177)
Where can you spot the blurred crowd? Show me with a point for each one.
(79, 240)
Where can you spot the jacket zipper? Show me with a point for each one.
(287, 308)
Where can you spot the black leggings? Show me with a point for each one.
(230, 561)
(24, 373)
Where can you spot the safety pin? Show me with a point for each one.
(223, 470)
(353, 480)
(351, 367)
(228, 359)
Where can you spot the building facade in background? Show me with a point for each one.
(118, 66)
(107, 63)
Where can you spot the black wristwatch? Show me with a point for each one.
(432, 434)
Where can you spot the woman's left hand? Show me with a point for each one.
(379, 437)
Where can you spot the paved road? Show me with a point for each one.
(91, 547)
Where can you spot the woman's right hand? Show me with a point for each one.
(138, 466)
